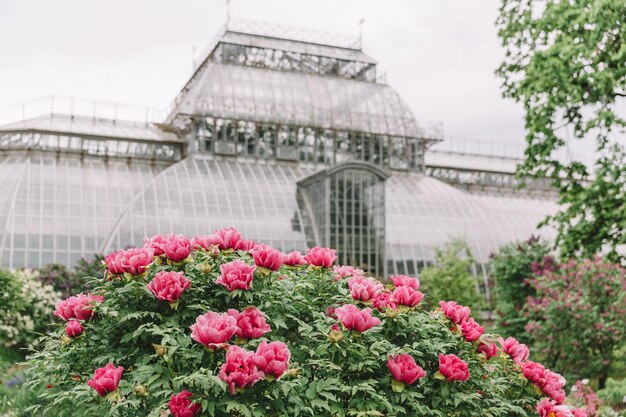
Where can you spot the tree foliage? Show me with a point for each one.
(565, 63)
(512, 268)
(450, 276)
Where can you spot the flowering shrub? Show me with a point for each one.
(244, 340)
(25, 307)
(579, 316)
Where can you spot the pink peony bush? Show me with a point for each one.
(217, 325)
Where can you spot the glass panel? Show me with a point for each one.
(344, 146)
(306, 144)
(287, 143)
(399, 159)
(267, 140)
(225, 137)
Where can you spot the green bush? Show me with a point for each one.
(25, 308)
(614, 394)
(140, 317)
(69, 282)
(512, 268)
(450, 276)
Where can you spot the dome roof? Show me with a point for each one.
(203, 193)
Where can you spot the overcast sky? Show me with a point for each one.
(439, 54)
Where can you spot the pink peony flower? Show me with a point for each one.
(106, 379)
(214, 330)
(267, 257)
(114, 263)
(552, 386)
(176, 247)
(169, 286)
(548, 381)
(404, 281)
(490, 350)
(364, 289)
(201, 242)
(404, 369)
(294, 258)
(547, 408)
(407, 296)
(516, 350)
(345, 271)
(272, 358)
(236, 275)
(157, 243)
(324, 257)
(251, 323)
(73, 328)
(579, 412)
(133, 261)
(354, 319)
(228, 238)
(471, 330)
(455, 312)
(181, 405)
(534, 372)
(77, 307)
(384, 300)
(453, 368)
(239, 370)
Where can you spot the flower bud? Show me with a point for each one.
(140, 390)
(160, 350)
(391, 313)
(335, 335)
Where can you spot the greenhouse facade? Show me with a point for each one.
(293, 138)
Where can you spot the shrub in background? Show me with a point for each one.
(579, 317)
(24, 309)
(219, 326)
(512, 267)
(69, 282)
(614, 394)
(450, 276)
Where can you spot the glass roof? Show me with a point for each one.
(81, 125)
(290, 98)
(202, 193)
(263, 41)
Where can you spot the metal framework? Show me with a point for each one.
(343, 207)
(290, 137)
(306, 144)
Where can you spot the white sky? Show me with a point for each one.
(439, 54)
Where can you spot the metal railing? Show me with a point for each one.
(79, 107)
(490, 148)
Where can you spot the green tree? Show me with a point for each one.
(450, 277)
(565, 63)
(512, 267)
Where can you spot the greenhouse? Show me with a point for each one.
(293, 138)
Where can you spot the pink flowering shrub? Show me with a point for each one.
(578, 316)
(257, 333)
